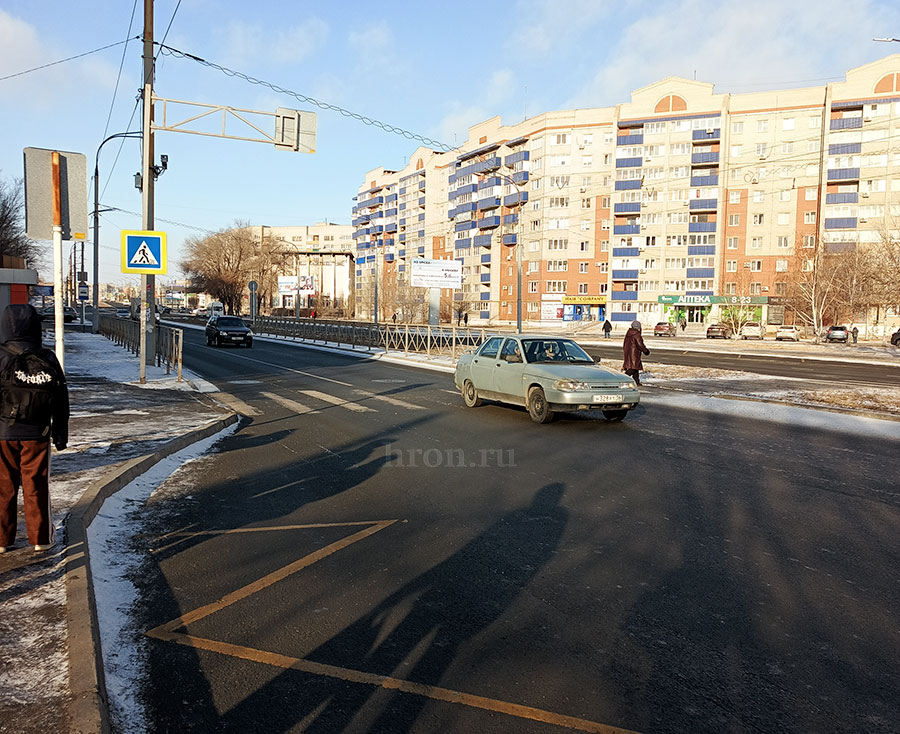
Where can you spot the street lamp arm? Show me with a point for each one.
(886, 40)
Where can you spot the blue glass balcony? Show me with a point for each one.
(520, 197)
(703, 204)
(402, 207)
(401, 268)
(391, 227)
(698, 293)
(403, 221)
(461, 209)
(489, 183)
(377, 229)
(843, 174)
(626, 251)
(628, 162)
(421, 250)
(700, 272)
(846, 123)
(421, 185)
(701, 249)
(848, 198)
(420, 218)
(403, 238)
(489, 222)
(704, 135)
(462, 226)
(509, 239)
(420, 233)
(624, 295)
(388, 258)
(467, 189)
(624, 274)
(631, 207)
(482, 240)
(701, 227)
(513, 158)
(705, 180)
(485, 297)
(492, 202)
(510, 218)
(485, 277)
(369, 203)
(390, 198)
(486, 259)
(422, 201)
(635, 139)
(628, 185)
(840, 223)
(390, 212)
(463, 244)
(401, 253)
(845, 149)
(627, 229)
(698, 158)
(520, 177)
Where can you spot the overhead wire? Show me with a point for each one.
(63, 61)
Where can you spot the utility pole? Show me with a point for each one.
(148, 282)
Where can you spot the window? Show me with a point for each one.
(582, 288)
(759, 218)
(762, 149)
(783, 242)
(557, 202)
(559, 160)
(732, 243)
(730, 289)
(734, 197)
(734, 220)
(731, 266)
(780, 288)
(583, 246)
(535, 184)
(681, 148)
(604, 202)
(737, 127)
(787, 123)
(535, 225)
(558, 244)
(809, 217)
(762, 126)
(756, 266)
(582, 267)
(604, 245)
(532, 286)
(756, 243)
(585, 225)
(736, 150)
(758, 197)
(781, 266)
(604, 267)
(809, 240)
(815, 122)
(534, 266)
(811, 194)
(812, 146)
(585, 203)
(556, 286)
(560, 139)
(784, 196)
(651, 128)
(559, 182)
(783, 218)
(755, 289)
(557, 266)
(605, 224)
(587, 139)
(806, 266)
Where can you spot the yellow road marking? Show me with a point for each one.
(326, 398)
(288, 403)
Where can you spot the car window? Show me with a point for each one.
(229, 321)
(490, 347)
(511, 351)
(555, 350)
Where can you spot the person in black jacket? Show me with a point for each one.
(34, 412)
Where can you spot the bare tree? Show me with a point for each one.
(740, 309)
(13, 241)
(813, 287)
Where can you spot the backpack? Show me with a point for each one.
(28, 384)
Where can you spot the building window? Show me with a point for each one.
(756, 266)
(809, 217)
(604, 245)
(787, 123)
(784, 218)
(604, 202)
(811, 194)
(758, 197)
(604, 267)
(758, 218)
(558, 244)
(556, 286)
(532, 286)
(736, 150)
(780, 288)
(756, 243)
(783, 242)
(732, 243)
(734, 220)
(784, 195)
(761, 149)
(781, 266)
(582, 267)
(560, 139)
(762, 126)
(731, 266)
(809, 240)
(583, 288)
(787, 147)
(583, 246)
(730, 289)
(734, 197)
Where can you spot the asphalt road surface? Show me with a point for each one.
(367, 555)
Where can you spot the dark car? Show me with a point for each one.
(895, 338)
(49, 314)
(837, 334)
(227, 330)
(664, 328)
(719, 331)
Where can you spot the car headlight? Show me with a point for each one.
(627, 385)
(570, 385)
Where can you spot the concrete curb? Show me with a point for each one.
(88, 710)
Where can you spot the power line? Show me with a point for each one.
(128, 37)
(62, 61)
(431, 143)
(168, 28)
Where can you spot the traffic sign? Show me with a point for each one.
(82, 292)
(253, 286)
(143, 252)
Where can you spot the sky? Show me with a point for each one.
(429, 68)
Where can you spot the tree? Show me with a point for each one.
(13, 241)
(813, 287)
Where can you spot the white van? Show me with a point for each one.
(215, 309)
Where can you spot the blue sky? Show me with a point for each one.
(431, 68)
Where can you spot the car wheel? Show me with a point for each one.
(208, 341)
(250, 344)
(614, 415)
(538, 407)
(218, 341)
(470, 395)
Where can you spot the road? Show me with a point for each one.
(367, 555)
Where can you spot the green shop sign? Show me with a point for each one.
(710, 300)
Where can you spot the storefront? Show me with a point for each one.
(584, 308)
(709, 309)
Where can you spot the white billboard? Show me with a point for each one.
(435, 273)
(306, 285)
(287, 285)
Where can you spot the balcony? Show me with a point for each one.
(482, 240)
(491, 202)
(420, 233)
(390, 212)
(843, 174)
(705, 180)
(623, 295)
(625, 274)
(628, 162)
(710, 134)
(463, 226)
(369, 203)
(627, 229)
(401, 253)
(513, 158)
(848, 198)
(627, 208)
(846, 123)
(489, 222)
(845, 149)
(485, 278)
(421, 250)
(510, 218)
(703, 204)
(390, 198)
(486, 259)
(422, 201)
(704, 158)
(388, 258)
(628, 185)
(461, 209)
(701, 250)
(491, 164)
(390, 227)
(700, 272)
(467, 189)
(636, 139)
(463, 244)
(701, 227)
(509, 239)
(490, 182)
(520, 177)
(840, 223)
(520, 197)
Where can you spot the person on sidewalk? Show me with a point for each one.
(607, 328)
(34, 410)
(634, 347)
(855, 333)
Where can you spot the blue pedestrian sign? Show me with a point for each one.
(143, 252)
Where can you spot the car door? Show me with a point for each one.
(483, 363)
(508, 371)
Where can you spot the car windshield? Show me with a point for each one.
(230, 322)
(555, 350)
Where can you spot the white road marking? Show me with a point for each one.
(236, 404)
(298, 408)
(291, 369)
(326, 398)
(389, 400)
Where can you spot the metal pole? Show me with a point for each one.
(148, 282)
(58, 322)
(519, 245)
(95, 321)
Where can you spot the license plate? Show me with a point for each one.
(607, 398)
(238, 338)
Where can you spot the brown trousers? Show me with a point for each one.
(25, 463)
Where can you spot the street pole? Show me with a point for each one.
(58, 322)
(148, 282)
(375, 310)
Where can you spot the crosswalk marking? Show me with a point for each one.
(236, 404)
(389, 400)
(326, 398)
(293, 405)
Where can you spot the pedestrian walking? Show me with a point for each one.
(607, 328)
(394, 317)
(855, 333)
(34, 410)
(633, 348)
(466, 319)
(683, 323)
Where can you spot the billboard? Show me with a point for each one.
(435, 273)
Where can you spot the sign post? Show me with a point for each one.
(435, 275)
(144, 252)
(253, 286)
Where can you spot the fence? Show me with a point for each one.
(127, 333)
(419, 338)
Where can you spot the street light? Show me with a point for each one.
(886, 40)
(520, 222)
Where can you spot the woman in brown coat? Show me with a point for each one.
(634, 347)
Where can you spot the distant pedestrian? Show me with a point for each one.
(466, 319)
(394, 317)
(855, 333)
(634, 347)
(34, 410)
(683, 323)
(313, 314)
(607, 328)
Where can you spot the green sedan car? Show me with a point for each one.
(546, 374)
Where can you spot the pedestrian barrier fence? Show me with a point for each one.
(127, 333)
(432, 341)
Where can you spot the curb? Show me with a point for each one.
(88, 710)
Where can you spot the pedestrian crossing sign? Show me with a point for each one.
(143, 252)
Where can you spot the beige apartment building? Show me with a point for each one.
(671, 205)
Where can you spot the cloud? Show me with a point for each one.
(245, 42)
(545, 24)
(375, 38)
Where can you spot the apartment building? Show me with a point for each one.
(674, 204)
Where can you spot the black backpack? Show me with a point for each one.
(28, 384)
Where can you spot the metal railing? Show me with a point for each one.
(432, 341)
(127, 333)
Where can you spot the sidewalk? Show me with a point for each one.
(113, 421)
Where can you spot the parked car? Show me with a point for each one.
(753, 330)
(49, 314)
(546, 374)
(227, 330)
(787, 332)
(664, 328)
(895, 338)
(202, 312)
(719, 331)
(123, 313)
(837, 334)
